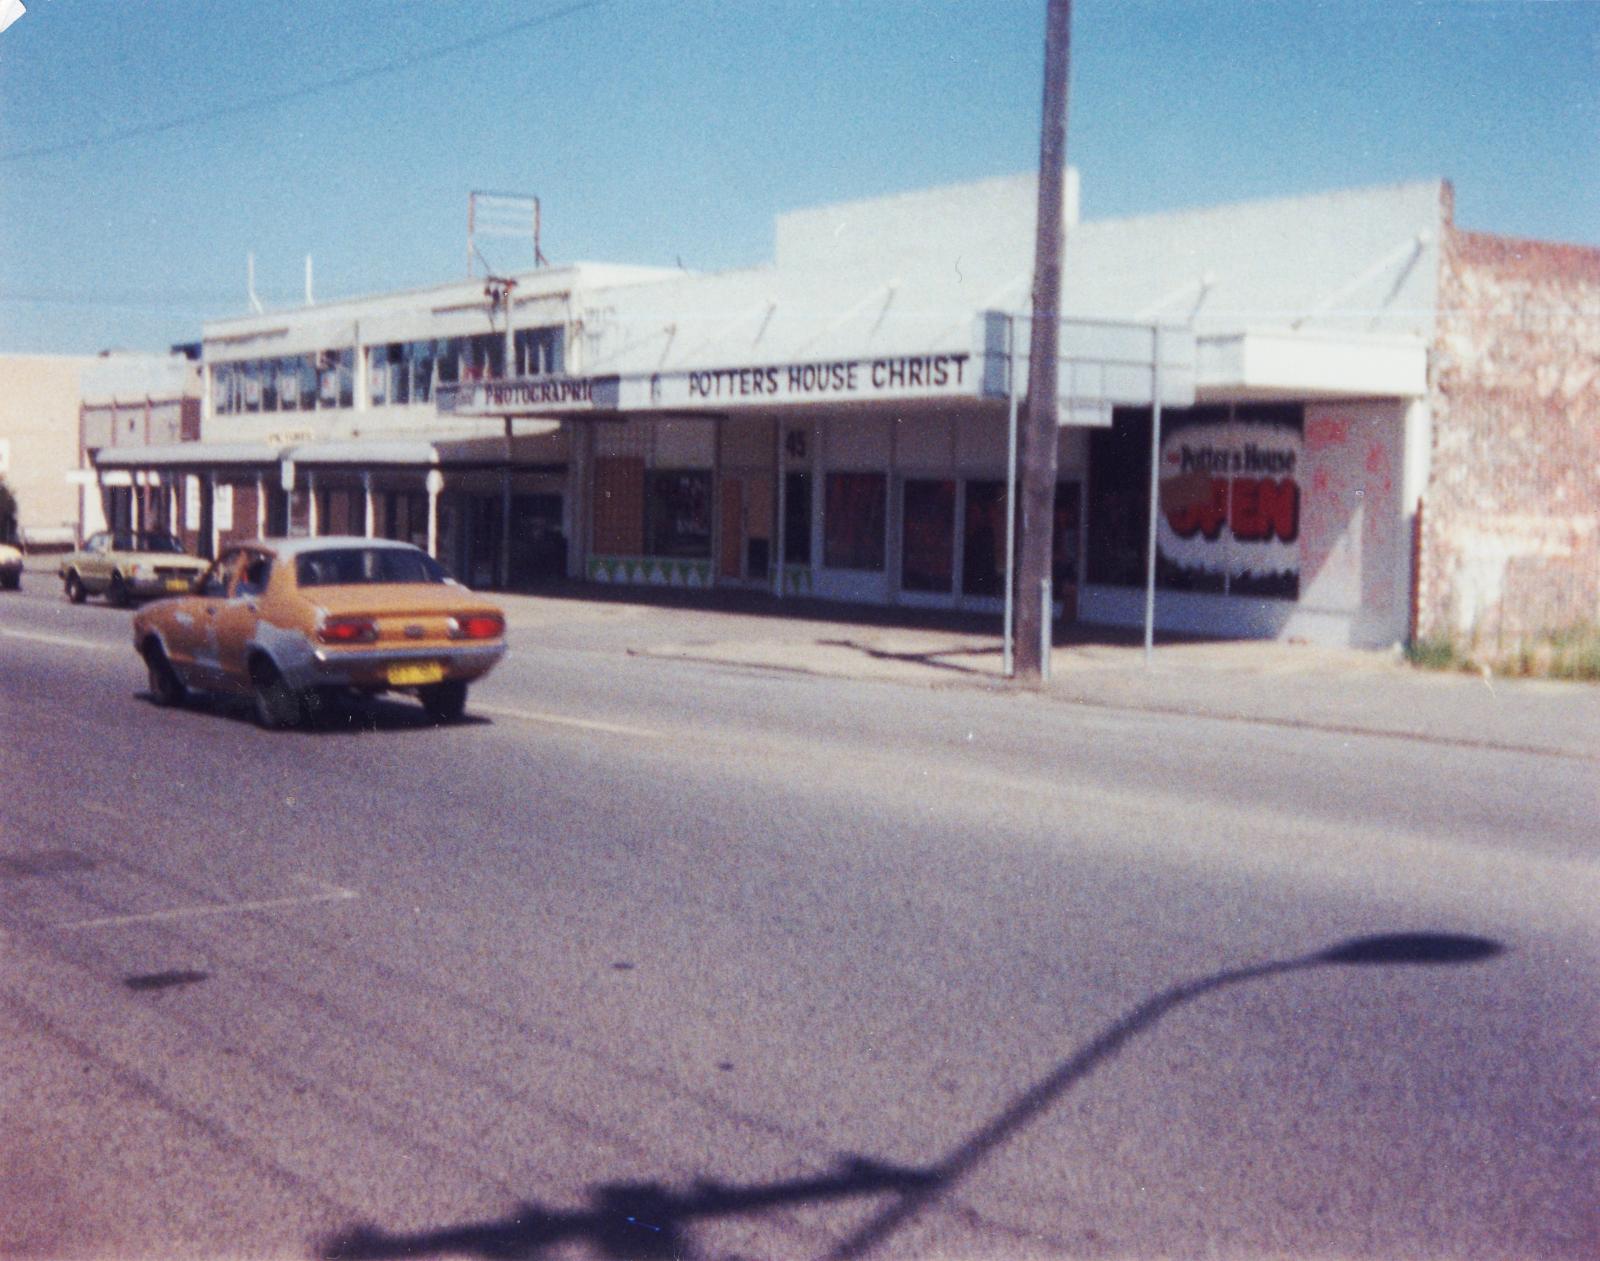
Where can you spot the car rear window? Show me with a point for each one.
(353, 566)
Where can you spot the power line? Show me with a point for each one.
(294, 94)
(129, 302)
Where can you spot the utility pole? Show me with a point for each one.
(498, 289)
(1039, 433)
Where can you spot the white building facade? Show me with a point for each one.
(836, 423)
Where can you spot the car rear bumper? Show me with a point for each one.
(161, 584)
(373, 667)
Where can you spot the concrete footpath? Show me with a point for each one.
(1339, 690)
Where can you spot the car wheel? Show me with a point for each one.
(277, 704)
(117, 592)
(11, 581)
(166, 688)
(75, 589)
(444, 702)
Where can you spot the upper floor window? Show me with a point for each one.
(539, 351)
(321, 379)
(401, 373)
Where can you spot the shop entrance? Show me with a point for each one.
(744, 550)
(538, 542)
(928, 536)
(480, 540)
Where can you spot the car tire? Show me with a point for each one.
(166, 688)
(117, 592)
(444, 702)
(11, 582)
(76, 592)
(277, 704)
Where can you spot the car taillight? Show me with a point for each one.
(348, 630)
(477, 626)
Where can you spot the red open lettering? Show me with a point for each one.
(1205, 515)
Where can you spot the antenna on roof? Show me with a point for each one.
(250, 282)
(502, 215)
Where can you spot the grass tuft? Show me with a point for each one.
(1572, 654)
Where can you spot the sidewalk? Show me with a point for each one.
(1338, 690)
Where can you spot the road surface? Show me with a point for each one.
(657, 958)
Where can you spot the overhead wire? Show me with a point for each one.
(274, 99)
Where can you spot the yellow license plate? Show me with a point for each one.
(415, 674)
(177, 584)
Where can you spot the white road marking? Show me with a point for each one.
(560, 720)
(62, 641)
(332, 893)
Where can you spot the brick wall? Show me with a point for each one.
(1510, 539)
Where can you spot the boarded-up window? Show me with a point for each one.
(619, 506)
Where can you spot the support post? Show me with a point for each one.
(1009, 665)
(216, 535)
(1155, 499)
(505, 513)
(1046, 622)
(779, 539)
(434, 483)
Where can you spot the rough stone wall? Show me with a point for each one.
(1510, 545)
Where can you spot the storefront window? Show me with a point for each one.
(1119, 500)
(797, 518)
(983, 552)
(853, 520)
(927, 553)
(678, 513)
(1229, 518)
(1064, 543)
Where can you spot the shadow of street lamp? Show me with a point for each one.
(1385, 950)
(649, 1222)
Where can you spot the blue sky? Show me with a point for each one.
(148, 146)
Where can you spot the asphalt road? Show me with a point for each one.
(655, 959)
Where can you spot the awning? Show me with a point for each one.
(1274, 364)
(366, 454)
(190, 455)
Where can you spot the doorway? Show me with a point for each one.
(744, 550)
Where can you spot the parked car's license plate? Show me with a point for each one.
(178, 584)
(415, 673)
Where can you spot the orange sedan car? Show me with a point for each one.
(295, 623)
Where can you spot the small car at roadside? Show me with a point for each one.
(10, 567)
(296, 624)
(128, 565)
